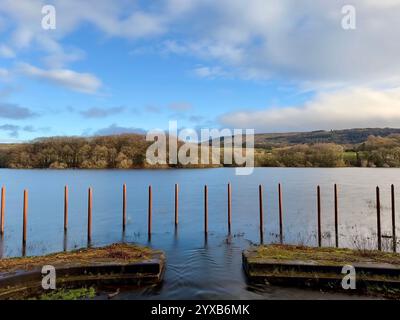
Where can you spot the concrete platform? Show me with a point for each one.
(269, 267)
(109, 267)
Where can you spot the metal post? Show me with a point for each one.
(89, 226)
(229, 208)
(378, 220)
(319, 216)
(3, 204)
(394, 239)
(176, 204)
(65, 208)
(205, 209)
(280, 214)
(260, 198)
(150, 212)
(123, 207)
(336, 217)
(25, 218)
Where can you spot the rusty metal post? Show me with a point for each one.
(280, 214)
(319, 216)
(229, 208)
(25, 218)
(205, 209)
(3, 204)
(65, 208)
(123, 207)
(394, 239)
(336, 216)
(150, 208)
(176, 204)
(90, 203)
(378, 218)
(260, 198)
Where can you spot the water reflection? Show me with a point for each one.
(65, 241)
(1, 245)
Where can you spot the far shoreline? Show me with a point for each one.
(186, 168)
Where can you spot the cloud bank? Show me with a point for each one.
(303, 39)
(354, 74)
(351, 108)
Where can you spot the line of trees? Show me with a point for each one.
(123, 151)
(379, 152)
(374, 152)
(129, 151)
(304, 155)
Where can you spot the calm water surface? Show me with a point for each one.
(197, 267)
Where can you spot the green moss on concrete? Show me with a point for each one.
(124, 253)
(69, 294)
(321, 255)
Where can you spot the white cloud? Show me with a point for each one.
(209, 72)
(351, 108)
(298, 40)
(300, 43)
(82, 82)
(59, 59)
(140, 24)
(4, 73)
(112, 18)
(6, 52)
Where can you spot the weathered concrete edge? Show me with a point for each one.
(146, 272)
(310, 273)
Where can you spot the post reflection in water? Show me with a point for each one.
(1, 245)
(65, 241)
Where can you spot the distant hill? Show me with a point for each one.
(343, 137)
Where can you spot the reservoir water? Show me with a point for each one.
(198, 267)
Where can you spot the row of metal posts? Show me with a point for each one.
(261, 213)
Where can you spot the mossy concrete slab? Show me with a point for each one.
(322, 267)
(115, 265)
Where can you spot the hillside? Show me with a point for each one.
(342, 137)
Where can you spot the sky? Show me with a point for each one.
(121, 66)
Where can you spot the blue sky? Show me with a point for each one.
(127, 66)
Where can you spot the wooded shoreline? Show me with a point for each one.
(128, 151)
